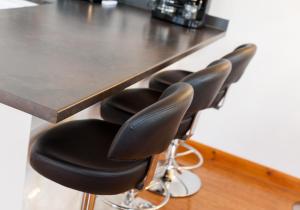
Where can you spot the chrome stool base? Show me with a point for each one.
(179, 183)
(130, 201)
(121, 202)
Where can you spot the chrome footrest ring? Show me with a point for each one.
(190, 150)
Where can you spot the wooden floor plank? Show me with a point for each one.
(231, 183)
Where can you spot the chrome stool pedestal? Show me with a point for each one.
(130, 201)
(126, 201)
(179, 181)
(88, 201)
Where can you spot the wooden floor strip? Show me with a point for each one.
(232, 183)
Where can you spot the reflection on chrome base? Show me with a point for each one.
(130, 201)
(179, 183)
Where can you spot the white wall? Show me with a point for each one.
(14, 136)
(261, 118)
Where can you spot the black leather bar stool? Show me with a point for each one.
(206, 84)
(239, 58)
(102, 158)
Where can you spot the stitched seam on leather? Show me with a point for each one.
(150, 115)
(60, 163)
(120, 108)
(153, 115)
(163, 81)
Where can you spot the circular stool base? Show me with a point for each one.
(117, 202)
(179, 184)
(130, 201)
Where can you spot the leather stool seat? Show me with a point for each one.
(103, 158)
(206, 83)
(119, 108)
(75, 154)
(164, 79)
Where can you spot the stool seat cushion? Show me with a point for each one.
(74, 154)
(163, 80)
(119, 108)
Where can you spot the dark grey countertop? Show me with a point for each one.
(57, 59)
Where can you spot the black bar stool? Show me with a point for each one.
(206, 84)
(239, 58)
(102, 158)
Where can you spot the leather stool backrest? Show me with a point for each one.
(206, 84)
(239, 58)
(151, 130)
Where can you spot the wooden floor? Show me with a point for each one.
(231, 183)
